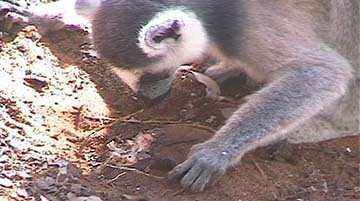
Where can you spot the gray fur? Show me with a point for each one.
(307, 55)
(115, 29)
(305, 52)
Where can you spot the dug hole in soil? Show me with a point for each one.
(71, 130)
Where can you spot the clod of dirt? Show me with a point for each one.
(127, 197)
(129, 152)
(5, 182)
(73, 197)
(212, 88)
(22, 193)
(4, 159)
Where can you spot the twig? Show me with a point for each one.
(261, 171)
(126, 119)
(117, 177)
(136, 171)
(181, 142)
(179, 123)
(102, 120)
(131, 115)
(136, 121)
(111, 120)
(129, 119)
(176, 193)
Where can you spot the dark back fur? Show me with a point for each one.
(115, 31)
(118, 22)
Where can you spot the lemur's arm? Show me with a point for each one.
(293, 97)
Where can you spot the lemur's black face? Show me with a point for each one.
(150, 85)
(155, 86)
(155, 81)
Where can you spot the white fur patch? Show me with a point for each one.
(191, 45)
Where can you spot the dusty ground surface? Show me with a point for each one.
(71, 130)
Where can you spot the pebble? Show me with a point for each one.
(24, 175)
(4, 159)
(5, 182)
(19, 145)
(22, 193)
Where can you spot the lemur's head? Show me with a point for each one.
(147, 42)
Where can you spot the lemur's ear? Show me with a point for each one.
(171, 30)
(168, 30)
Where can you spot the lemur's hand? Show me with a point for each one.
(206, 163)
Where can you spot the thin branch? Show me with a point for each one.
(117, 177)
(136, 171)
(160, 122)
(261, 171)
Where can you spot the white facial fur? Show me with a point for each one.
(191, 45)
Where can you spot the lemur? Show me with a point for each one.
(305, 53)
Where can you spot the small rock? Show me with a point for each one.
(4, 159)
(211, 120)
(9, 174)
(144, 141)
(42, 198)
(19, 146)
(36, 83)
(22, 193)
(24, 175)
(73, 197)
(134, 198)
(5, 182)
(22, 48)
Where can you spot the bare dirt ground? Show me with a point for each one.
(71, 130)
